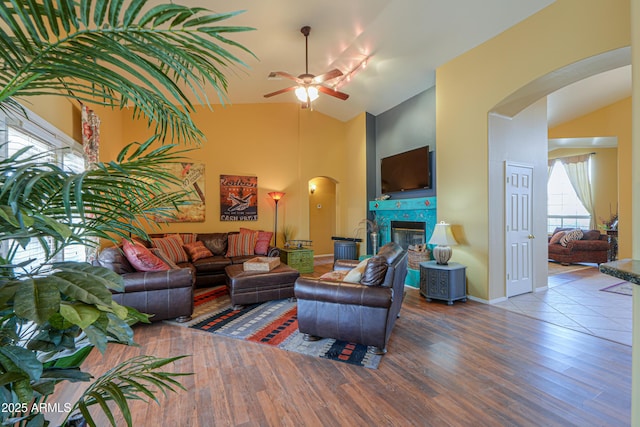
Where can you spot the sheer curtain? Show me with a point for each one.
(550, 164)
(577, 168)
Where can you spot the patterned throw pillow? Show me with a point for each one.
(556, 237)
(263, 240)
(241, 244)
(571, 236)
(171, 245)
(157, 252)
(334, 276)
(141, 258)
(355, 274)
(197, 250)
(187, 237)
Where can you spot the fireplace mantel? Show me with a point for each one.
(422, 209)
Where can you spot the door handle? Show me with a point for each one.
(531, 236)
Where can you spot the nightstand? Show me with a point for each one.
(446, 282)
(300, 259)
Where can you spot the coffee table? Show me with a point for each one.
(252, 287)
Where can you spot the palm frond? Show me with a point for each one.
(135, 379)
(158, 60)
(111, 201)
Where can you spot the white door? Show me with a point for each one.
(519, 233)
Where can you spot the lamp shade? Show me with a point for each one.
(442, 235)
(443, 239)
(306, 93)
(276, 195)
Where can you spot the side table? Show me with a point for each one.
(446, 282)
(300, 259)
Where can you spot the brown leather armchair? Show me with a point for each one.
(364, 312)
(165, 294)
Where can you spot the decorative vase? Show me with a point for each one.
(374, 242)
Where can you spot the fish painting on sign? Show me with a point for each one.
(238, 198)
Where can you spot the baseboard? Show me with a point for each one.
(484, 301)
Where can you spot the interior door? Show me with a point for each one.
(519, 233)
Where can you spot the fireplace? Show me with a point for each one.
(407, 222)
(406, 233)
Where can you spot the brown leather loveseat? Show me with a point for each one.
(164, 294)
(364, 312)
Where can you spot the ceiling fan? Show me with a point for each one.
(308, 85)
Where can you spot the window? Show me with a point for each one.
(564, 209)
(32, 131)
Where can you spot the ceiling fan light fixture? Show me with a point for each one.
(306, 94)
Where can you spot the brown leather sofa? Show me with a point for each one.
(210, 271)
(593, 247)
(364, 312)
(164, 294)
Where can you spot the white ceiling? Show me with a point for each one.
(588, 95)
(406, 39)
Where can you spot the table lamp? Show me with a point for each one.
(443, 238)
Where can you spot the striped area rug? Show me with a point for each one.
(272, 323)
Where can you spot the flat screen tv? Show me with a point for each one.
(406, 171)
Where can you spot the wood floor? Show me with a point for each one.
(469, 364)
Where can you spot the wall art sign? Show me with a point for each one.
(238, 198)
(192, 176)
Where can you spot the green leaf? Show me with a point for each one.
(71, 361)
(81, 286)
(119, 310)
(37, 299)
(19, 360)
(73, 375)
(97, 337)
(79, 314)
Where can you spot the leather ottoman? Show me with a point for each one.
(251, 287)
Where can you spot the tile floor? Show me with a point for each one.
(574, 300)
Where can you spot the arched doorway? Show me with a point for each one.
(517, 131)
(322, 214)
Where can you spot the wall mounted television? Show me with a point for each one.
(410, 170)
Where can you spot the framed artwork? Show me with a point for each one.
(238, 198)
(192, 175)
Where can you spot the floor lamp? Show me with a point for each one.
(276, 196)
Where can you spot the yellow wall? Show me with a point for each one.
(281, 144)
(469, 87)
(612, 120)
(322, 215)
(61, 112)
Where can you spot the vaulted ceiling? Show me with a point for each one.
(405, 41)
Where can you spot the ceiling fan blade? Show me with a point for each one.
(278, 92)
(276, 74)
(327, 76)
(333, 92)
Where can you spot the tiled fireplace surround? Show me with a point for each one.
(421, 209)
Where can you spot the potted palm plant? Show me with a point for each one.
(119, 54)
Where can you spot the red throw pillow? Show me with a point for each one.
(197, 250)
(556, 237)
(263, 239)
(141, 258)
(263, 242)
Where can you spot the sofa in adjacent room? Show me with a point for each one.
(567, 246)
